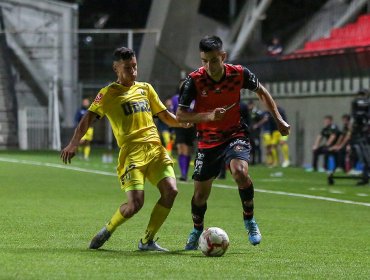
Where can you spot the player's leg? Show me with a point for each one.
(183, 159)
(135, 201)
(207, 166)
(132, 182)
(267, 143)
(86, 143)
(275, 139)
(163, 176)
(237, 156)
(202, 190)
(284, 150)
(160, 173)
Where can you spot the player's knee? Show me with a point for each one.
(240, 175)
(133, 207)
(171, 193)
(200, 198)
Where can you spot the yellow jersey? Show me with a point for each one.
(130, 111)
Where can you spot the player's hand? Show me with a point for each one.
(218, 114)
(284, 128)
(68, 153)
(186, 125)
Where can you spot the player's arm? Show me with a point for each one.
(331, 139)
(317, 142)
(170, 119)
(251, 82)
(185, 115)
(265, 97)
(70, 150)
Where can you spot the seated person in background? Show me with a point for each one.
(341, 147)
(329, 134)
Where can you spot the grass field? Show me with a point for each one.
(49, 214)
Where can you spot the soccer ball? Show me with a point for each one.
(213, 242)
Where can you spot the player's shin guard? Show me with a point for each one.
(246, 195)
(157, 218)
(198, 215)
(116, 220)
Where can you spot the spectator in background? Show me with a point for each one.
(164, 130)
(257, 119)
(275, 48)
(85, 142)
(324, 141)
(341, 147)
(184, 140)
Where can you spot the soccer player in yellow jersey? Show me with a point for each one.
(130, 106)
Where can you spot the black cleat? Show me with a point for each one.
(99, 239)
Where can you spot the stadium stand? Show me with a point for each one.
(354, 35)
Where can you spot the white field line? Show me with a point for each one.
(215, 185)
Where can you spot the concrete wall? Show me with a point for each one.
(177, 50)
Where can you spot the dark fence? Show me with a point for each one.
(313, 66)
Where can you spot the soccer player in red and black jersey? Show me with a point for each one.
(215, 88)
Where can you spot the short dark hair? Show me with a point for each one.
(123, 53)
(363, 92)
(346, 116)
(210, 43)
(329, 117)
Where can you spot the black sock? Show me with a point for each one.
(198, 215)
(246, 196)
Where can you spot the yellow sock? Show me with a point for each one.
(87, 150)
(116, 220)
(285, 151)
(274, 156)
(158, 216)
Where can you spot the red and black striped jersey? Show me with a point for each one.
(209, 95)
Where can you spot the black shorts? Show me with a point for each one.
(185, 135)
(208, 162)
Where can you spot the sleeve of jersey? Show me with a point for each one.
(97, 105)
(250, 80)
(156, 105)
(187, 93)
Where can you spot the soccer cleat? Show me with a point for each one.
(151, 245)
(254, 234)
(193, 240)
(99, 239)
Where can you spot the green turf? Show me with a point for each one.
(48, 216)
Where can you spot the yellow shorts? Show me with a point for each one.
(136, 162)
(276, 137)
(267, 139)
(89, 134)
